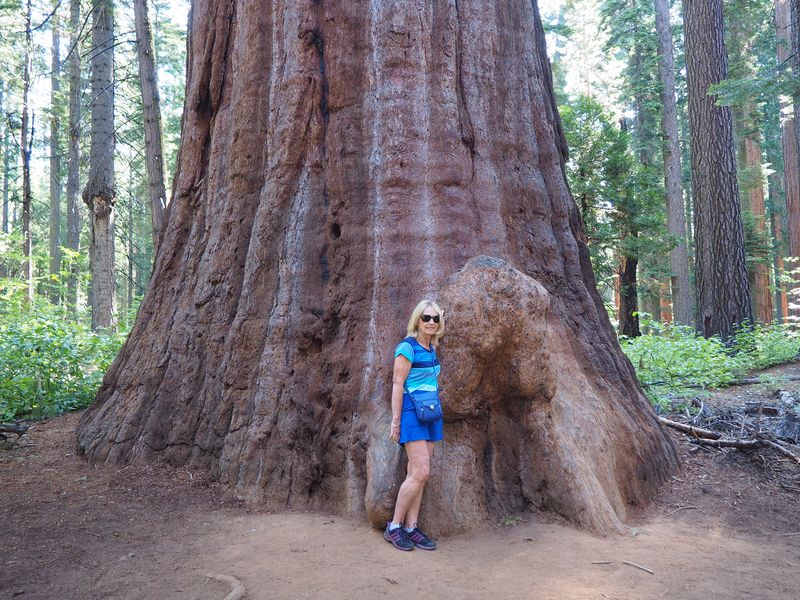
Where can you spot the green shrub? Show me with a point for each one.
(762, 347)
(673, 362)
(49, 364)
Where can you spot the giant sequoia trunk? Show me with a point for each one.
(339, 162)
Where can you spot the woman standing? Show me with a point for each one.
(416, 368)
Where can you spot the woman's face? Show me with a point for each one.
(431, 325)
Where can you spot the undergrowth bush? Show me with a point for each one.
(48, 363)
(674, 362)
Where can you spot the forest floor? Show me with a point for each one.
(726, 526)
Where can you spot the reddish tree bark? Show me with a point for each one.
(776, 226)
(762, 297)
(791, 159)
(340, 161)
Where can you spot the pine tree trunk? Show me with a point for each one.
(676, 222)
(723, 296)
(74, 159)
(154, 155)
(338, 163)
(55, 165)
(99, 194)
(25, 148)
(761, 292)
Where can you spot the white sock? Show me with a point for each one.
(393, 525)
(409, 529)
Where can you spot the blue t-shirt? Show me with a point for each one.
(425, 368)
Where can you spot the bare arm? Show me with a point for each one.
(402, 366)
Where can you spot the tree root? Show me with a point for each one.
(237, 589)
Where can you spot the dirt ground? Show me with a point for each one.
(726, 526)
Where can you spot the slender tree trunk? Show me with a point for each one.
(260, 350)
(74, 160)
(792, 30)
(99, 194)
(722, 293)
(6, 162)
(154, 155)
(776, 222)
(25, 147)
(761, 292)
(130, 247)
(666, 306)
(791, 157)
(676, 223)
(628, 297)
(55, 165)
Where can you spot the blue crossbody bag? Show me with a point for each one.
(426, 403)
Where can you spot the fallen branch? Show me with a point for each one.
(696, 431)
(237, 589)
(601, 562)
(730, 443)
(681, 508)
(632, 564)
(783, 450)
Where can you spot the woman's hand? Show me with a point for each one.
(394, 431)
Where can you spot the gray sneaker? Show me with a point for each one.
(420, 540)
(398, 538)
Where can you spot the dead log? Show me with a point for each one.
(19, 430)
(696, 431)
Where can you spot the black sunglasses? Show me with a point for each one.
(426, 318)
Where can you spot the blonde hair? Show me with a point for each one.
(417, 313)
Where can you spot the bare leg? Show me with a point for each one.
(419, 461)
(413, 511)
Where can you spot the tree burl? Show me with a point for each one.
(339, 162)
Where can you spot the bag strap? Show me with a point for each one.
(421, 364)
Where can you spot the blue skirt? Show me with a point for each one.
(411, 430)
